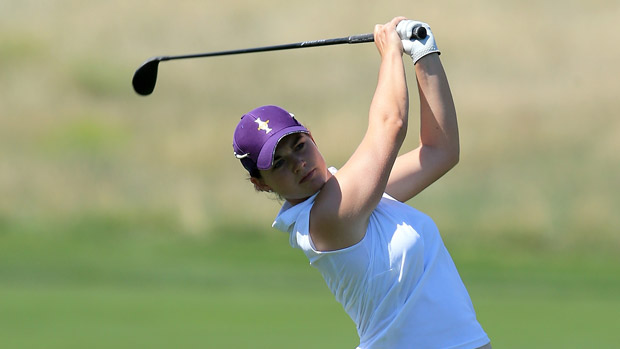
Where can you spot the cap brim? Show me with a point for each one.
(265, 158)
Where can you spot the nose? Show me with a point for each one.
(298, 164)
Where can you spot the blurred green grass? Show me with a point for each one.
(126, 222)
(114, 287)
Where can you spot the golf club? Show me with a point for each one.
(145, 77)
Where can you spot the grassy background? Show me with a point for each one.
(126, 222)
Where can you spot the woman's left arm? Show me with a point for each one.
(438, 151)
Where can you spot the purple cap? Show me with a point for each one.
(258, 133)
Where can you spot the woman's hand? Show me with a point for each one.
(387, 39)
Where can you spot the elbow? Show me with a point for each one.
(446, 158)
(454, 160)
(400, 128)
(456, 153)
(452, 157)
(396, 125)
(445, 161)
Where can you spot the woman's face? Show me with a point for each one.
(298, 170)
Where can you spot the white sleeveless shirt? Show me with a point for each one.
(398, 284)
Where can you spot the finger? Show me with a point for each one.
(394, 22)
(378, 28)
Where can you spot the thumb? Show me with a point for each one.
(404, 29)
(408, 46)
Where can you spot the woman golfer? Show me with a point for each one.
(384, 261)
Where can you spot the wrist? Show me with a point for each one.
(392, 52)
(423, 53)
(428, 65)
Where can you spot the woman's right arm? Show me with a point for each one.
(341, 211)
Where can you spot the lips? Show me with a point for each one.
(307, 176)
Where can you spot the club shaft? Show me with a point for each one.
(353, 39)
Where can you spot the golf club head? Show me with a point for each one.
(145, 77)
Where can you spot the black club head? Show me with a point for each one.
(145, 77)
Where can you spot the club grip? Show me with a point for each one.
(418, 32)
(357, 39)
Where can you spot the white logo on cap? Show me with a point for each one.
(263, 125)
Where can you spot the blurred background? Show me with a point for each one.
(125, 221)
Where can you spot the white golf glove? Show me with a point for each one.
(414, 47)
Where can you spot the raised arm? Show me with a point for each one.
(341, 211)
(438, 151)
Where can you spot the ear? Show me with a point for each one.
(259, 184)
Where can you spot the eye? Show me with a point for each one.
(277, 164)
(300, 145)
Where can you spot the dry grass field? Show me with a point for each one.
(535, 85)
